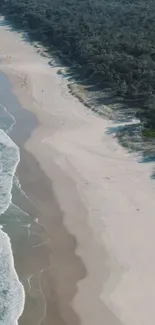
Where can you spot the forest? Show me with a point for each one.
(111, 43)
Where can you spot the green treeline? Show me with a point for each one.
(110, 42)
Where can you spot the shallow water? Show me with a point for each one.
(11, 290)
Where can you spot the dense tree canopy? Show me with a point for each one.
(111, 42)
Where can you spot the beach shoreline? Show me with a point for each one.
(101, 232)
(47, 262)
(58, 307)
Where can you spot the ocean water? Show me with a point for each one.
(12, 294)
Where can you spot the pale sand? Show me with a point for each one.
(107, 197)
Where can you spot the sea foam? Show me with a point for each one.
(12, 294)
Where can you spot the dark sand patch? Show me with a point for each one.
(44, 252)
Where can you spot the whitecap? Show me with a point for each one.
(12, 294)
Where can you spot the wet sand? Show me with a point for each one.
(94, 202)
(45, 257)
(46, 252)
(48, 265)
(54, 266)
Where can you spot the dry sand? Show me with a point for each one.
(106, 198)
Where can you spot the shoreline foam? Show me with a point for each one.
(12, 291)
(97, 183)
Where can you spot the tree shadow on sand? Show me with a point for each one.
(127, 129)
(131, 138)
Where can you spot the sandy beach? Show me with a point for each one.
(90, 258)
